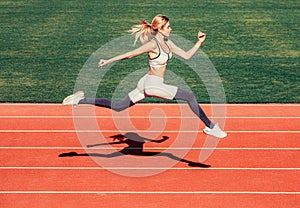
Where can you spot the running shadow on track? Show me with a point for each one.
(135, 147)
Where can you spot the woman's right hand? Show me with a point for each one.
(102, 62)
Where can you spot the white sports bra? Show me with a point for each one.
(162, 58)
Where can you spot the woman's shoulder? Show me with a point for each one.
(151, 43)
(170, 43)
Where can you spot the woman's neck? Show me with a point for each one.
(160, 37)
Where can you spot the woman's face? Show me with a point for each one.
(166, 30)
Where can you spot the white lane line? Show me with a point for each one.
(145, 117)
(126, 130)
(108, 147)
(163, 104)
(140, 168)
(157, 192)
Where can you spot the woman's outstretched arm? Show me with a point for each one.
(149, 46)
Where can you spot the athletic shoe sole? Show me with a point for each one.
(74, 98)
(216, 132)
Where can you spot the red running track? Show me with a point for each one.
(257, 165)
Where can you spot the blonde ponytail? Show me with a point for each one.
(142, 31)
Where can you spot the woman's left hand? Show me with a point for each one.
(101, 63)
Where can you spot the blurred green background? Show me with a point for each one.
(254, 45)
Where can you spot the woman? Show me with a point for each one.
(155, 42)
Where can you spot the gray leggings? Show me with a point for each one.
(181, 94)
(106, 103)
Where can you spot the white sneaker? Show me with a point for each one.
(216, 131)
(74, 98)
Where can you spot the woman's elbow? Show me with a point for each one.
(187, 57)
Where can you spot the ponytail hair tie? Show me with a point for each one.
(145, 24)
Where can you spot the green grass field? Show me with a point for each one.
(254, 45)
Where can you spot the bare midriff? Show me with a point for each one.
(157, 71)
